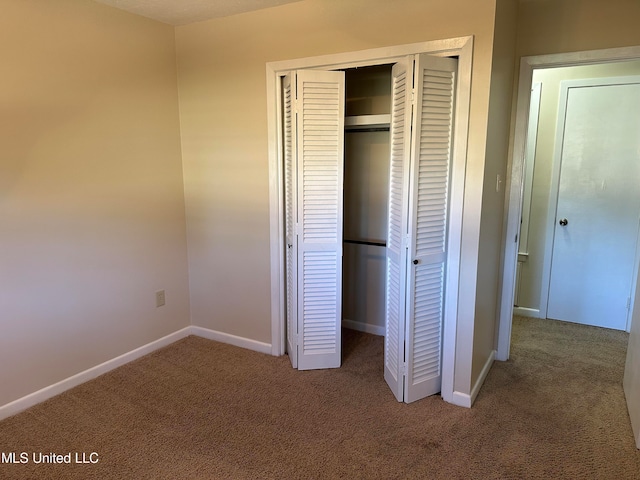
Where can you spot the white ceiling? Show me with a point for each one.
(181, 12)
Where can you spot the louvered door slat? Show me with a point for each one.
(320, 135)
(435, 88)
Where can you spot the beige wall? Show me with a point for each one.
(560, 26)
(91, 194)
(531, 280)
(487, 300)
(221, 65)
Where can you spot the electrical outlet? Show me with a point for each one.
(160, 298)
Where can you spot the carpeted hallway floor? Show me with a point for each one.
(202, 410)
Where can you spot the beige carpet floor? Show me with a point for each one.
(202, 410)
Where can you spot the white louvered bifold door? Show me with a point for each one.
(400, 135)
(289, 147)
(320, 160)
(435, 80)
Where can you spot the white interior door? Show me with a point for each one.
(400, 143)
(417, 229)
(598, 207)
(319, 127)
(428, 213)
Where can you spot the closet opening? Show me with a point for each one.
(366, 201)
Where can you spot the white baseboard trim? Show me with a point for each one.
(46, 393)
(483, 375)
(232, 339)
(461, 399)
(363, 327)
(466, 400)
(527, 312)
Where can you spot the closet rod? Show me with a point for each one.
(364, 242)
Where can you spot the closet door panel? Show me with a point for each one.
(431, 157)
(289, 148)
(400, 136)
(320, 159)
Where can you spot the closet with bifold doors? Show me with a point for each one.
(366, 201)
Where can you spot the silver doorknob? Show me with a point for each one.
(563, 222)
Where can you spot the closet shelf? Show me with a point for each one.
(367, 122)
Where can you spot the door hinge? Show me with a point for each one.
(628, 303)
(405, 369)
(413, 96)
(294, 103)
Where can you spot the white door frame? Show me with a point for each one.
(513, 202)
(462, 48)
